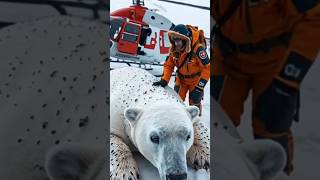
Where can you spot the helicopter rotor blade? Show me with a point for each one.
(186, 4)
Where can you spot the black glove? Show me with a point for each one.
(162, 83)
(277, 106)
(196, 95)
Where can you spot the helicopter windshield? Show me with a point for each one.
(115, 27)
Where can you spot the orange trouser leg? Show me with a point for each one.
(260, 83)
(230, 91)
(181, 88)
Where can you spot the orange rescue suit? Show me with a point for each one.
(199, 63)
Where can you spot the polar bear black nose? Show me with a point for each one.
(180, 176)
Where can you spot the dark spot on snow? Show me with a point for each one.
(83, 122)
(94, 77)
(53, 73)
(45, 125)
(58, 113)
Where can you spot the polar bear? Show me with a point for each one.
(155, 122)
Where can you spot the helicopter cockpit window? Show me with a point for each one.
(131, 32)
(129, 37)
(115, 27)
(131, 28)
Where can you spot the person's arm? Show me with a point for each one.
(205, 63)
(197, 94)
(278, 105)
(168, 68)
(305, 43)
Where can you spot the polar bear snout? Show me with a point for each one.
(177, 176)
(174, 162)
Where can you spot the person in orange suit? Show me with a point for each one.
(188, 54)
(267, 47)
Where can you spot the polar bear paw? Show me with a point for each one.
(122, 164)
(198, 155)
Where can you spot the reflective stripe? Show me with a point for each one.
(295, 68)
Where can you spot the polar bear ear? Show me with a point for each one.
(194, 112)
(267, 158)
(69, 161)
(132, 114)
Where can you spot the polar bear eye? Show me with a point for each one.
(188, 137)
(155, 139)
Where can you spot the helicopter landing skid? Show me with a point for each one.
(141, 65)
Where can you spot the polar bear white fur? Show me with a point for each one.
(153, 121)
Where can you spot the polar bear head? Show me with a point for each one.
(163, 133)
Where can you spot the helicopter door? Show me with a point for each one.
(128, 42)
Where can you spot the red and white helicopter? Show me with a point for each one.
(139, 34)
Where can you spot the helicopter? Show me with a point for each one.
(139, 34)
